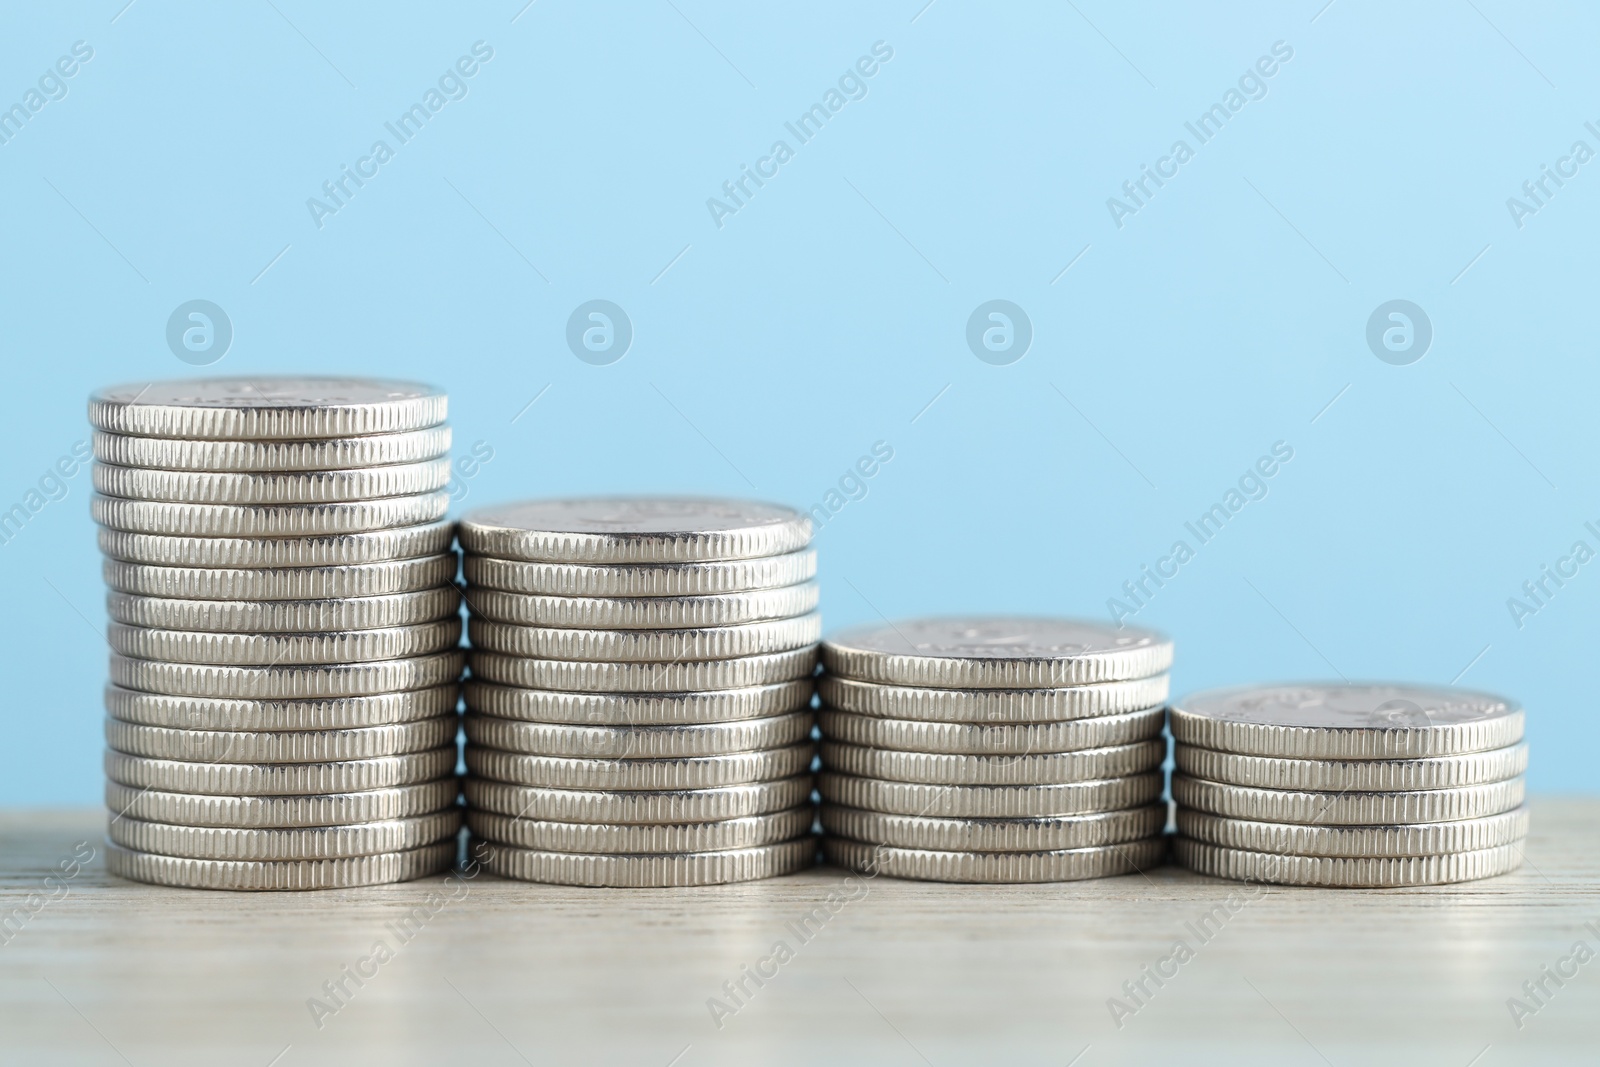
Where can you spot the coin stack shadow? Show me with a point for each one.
(993, 749)
(285, 632)
(639, 710)
(1354, 786)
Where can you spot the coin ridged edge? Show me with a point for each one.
(1357, 872)
(927, 704)
(638, 742)
(989, 801)
(637, 709)
(1348, 808)
(282, 812)
(648, 871)
(1387, 776)
(1416, 839)
(1038, 768)
(1313, 742)
(280, 874)
(1063, 865)
(284, 845)
(750, 831)
(611, 806)
(1040, 834)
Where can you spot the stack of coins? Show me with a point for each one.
(1349, 785)
(285, 632)
(639, 711)
(993, 749)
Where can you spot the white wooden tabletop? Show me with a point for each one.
(96, 971)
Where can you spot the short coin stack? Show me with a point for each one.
(284, 629)
(1349, 785)
(639, 711)
(993, 749)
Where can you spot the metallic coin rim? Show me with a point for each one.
(338, 582)
(980, 739)
(267, 520)
(1343, 809)
(689, 676)
(636, 807)
(1046, 834)
(260, 875)
(545, 836)
(640, 579)
(652, 775)
(284, 845)
(645, 613)
(1038, 768)
(285, 616)
(1387, 776)
(280, 779)
(647, 646)
(329, 453)
(638, 742)
(920, 703)
(1416, 839)
(288, 649)
(324, 713)
(1310, 742)
(426, 407)
(282, 812)
(1348, 872)
(372, 546)
(483, 535)
(259, 683)
(281, 746)
(1062, 865)
(271, 487)
(637, 709)
(989, 801)
(638, 871)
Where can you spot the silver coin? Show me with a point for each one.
(648, 871)
(647, 646)
(281, 583)
(985, 739)
(271, 487)
(634, 530)
(993, 705)
(643, 579)
(638, 742)
(1389, 775)
(976, 652)
(654, 775)
(1038, 768)
(1063, 865)
(989, 801)
(330, 713)
(407, 542)
(694, 676)
(635, 807)
(281, 682)
(638, 709)
(1351, 872)
(266, 407)
(286, 616)
(1348, 808)
(995, 835)
(1418, 839)
(347, 646)
(644, 613)
(280, 746)
(333, 453)
(280, 779)
(267, 520)
(187, 873)
(751, 831)
(276, 845)
(331, 809)
(1340, 721)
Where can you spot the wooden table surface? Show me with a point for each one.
(894, 973)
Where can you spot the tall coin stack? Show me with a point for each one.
(993, 749)
(1349, 785)
(639, 711)
(285, 631)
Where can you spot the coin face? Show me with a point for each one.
(990, 652)
(623, 529)
(266, 407)
(1348, 707)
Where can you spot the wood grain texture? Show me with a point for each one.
(904, 973)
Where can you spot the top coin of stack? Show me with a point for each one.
(639, 712)
(993, 749)
(284, 631)
(1349, 785)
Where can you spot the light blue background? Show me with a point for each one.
(825, 315)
